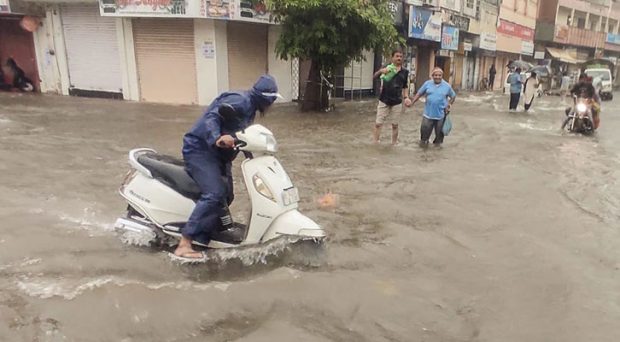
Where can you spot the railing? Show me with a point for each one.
(581, 37)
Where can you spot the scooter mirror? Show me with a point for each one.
(228, 113)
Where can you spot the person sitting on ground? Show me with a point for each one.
(20, 81)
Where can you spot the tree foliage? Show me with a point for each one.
(332, 31)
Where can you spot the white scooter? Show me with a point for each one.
(161, 196)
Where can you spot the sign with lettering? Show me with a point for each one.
(5, 7)
(462, 23)
(424, 24)
(396, 9)
(527, 47)
(613, 38)
(449, 38)
(515, 30)
(154, 8)
(488, 41)
(251, 10)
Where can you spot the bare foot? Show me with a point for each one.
(188, 252)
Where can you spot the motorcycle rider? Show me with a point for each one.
(585, 89)
(208, 154)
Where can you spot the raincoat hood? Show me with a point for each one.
(264, 92)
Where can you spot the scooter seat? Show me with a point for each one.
(171, 171)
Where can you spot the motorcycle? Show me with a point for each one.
(161, 195)
(579, 117)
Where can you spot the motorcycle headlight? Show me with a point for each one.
(581, 107)
(262, 188)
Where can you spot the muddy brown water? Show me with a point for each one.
(510, 232)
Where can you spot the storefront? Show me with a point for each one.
(16, 41)
(92, 52)
(165, 59)
(425, 32)
(486, 49)
(247, 53)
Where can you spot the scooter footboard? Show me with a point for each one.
(293, 223)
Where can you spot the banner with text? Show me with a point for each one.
(5, 7)
(449, 37)
(424, 24)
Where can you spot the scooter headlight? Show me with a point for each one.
(581, 107)
(262, 188)
(270, 141)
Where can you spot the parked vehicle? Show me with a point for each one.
(602, 72)
(602, 81)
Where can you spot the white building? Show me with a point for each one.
(184, 52)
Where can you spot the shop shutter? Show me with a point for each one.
(92, 49)
(247, 54)
(166, 61)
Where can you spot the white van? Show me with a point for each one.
(602, 81)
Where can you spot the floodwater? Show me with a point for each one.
(510, 232)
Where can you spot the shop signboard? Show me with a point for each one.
(251, 10)
(5, 7)
(488, 41)
(396, 9)
(515, 30)
(461, 22)
(527, 47)
(539, 55)
(424, 24)
(154, 8)
(449, 37)
(613, 38)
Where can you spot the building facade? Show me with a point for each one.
(178, 52)
(569, 32)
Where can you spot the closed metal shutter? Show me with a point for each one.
(92, 49)
(165, 57)
(247, 54)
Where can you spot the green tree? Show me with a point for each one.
(330, 33)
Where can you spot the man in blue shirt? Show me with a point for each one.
(439, 97)
(515, 88)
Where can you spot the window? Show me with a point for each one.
(581, 23)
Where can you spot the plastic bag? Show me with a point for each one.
(447, 125)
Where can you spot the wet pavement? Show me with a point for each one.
(507, 233)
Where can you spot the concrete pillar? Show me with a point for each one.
(278, 68)
(126, 50)
(211, 66)
(45, 51)
(60, 50)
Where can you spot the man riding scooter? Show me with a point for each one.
(208, 153)
(585, 89)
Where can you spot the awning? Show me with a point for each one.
(564, 56)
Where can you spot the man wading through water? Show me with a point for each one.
(439, 98)
(393, 91)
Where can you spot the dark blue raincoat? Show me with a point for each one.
(209, 165)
